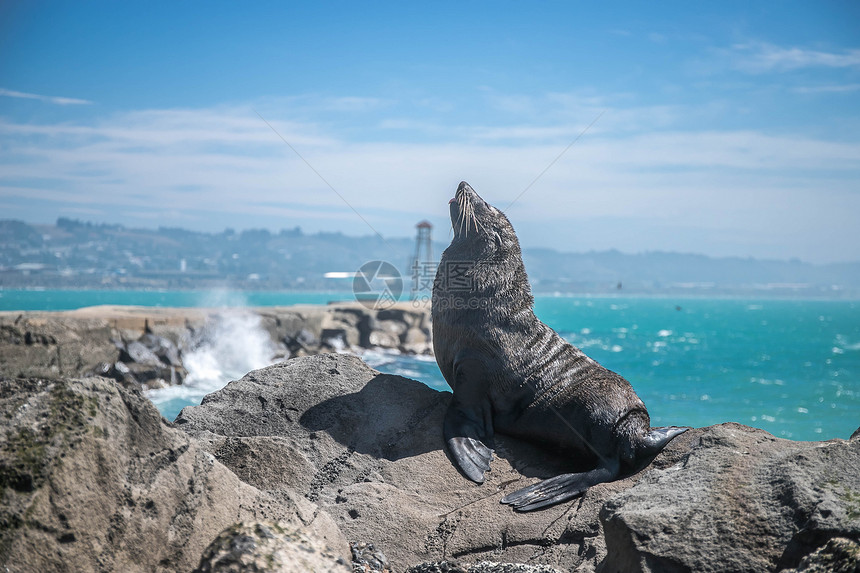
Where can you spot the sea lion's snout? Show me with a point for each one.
(463, 187)
(465, 190)
(460, 205)
(468, 212)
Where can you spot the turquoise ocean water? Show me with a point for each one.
(791, 367)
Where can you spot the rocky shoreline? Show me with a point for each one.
(323, 459)
(144, 346)
(320, 463)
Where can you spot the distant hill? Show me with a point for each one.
(681, 272)
(72, 253)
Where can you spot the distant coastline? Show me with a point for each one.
(77, 255)
(64, 299)
(56, 299)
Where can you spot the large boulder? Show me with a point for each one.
(41, 344)
(482, 567)
(92, 478)
(367, 448)
(741, 500)
(269, 547)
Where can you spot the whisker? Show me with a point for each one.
(471, 214)
(465, 215)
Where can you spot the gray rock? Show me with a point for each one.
(838, 555)
(115, 370)
(482, 567)
(302, 341)
(92, 478)
(383, 339)
(150, 375)
(417, 341)
(163, 348)
(368, 449)
(84, 342)
(32, 344)
(367, 558)
(741, 500)
(269, 547)
(135, 352)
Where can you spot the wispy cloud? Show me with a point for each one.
(56, 100)
(761, 57)
(353, 104)
(829, 89)
(190, 166)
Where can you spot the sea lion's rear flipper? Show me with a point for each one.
(559, 488)
(468, 426)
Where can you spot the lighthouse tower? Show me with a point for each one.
(423, 265)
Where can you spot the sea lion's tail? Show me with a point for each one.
(654, 443)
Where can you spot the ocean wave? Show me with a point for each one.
(767, 382)
(843, 344)
(232, 345)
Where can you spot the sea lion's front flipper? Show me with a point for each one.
(468, 426)
(559, 488)
(465, 435)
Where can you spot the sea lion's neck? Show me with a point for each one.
(486, 285)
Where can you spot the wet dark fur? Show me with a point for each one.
(514, 375)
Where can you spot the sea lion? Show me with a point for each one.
(514, 375)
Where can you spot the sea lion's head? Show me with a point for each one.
(482, 269)
(481, 228)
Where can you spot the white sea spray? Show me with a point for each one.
(233, 343)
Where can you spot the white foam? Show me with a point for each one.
(843, 344)
(235, 344)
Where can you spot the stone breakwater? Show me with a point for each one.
(325, 460)
(144, 346)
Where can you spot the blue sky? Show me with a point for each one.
(729, 129)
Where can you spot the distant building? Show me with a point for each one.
(423, 264)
